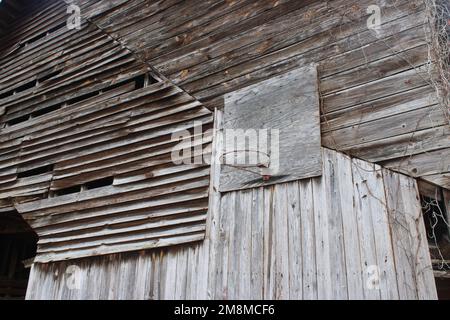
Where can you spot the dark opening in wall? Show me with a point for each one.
(438, 235)
(50, 109)
(82, 97)
(140, 81)
(26, 86)
(99, 183)
(17, 250)
(45, 111)
(18, 89)
(35, 38)
(29, 85)
(69, 190)
(6, 94)
(144, 80)
(49, 76)
(35, 171)
(57, 27)
(34, 114)
(435, 219)
(43, 34)
(18, 120)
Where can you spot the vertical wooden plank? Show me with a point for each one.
(118, 276)
(350, 228)
(191, 273)
(58, 281)
(257, 243)
(86, 274)
(104, 291)
(373, 199)
(269, 265)
(244, 250)
(191, 264)
(65, 292)
(53, 280)
(156, 275)
(202, 255)
(143, 273)
(413, 263)
(404, 254)
(281, 251)
(181, 273)
(235, 242)
(308, 245)
(112, 271)
(140, 273)
(426, 286)
(200, 259)
(365, 231)
(122, 277)
(169, 271)
(148, 263)
(385, 254)
(95, 275)
(46, 282)
(131, 285)
(38, 273)
(218, 219)
(31, 293)
(134, 286)
(323, 263)
(210, 251)
(151, 276)
(331, 184)
(226, 221)
(295, 255)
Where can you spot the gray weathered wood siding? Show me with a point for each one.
(377, 99)
(309, 239)
(278, 118)
(86, 142)
(318, 238)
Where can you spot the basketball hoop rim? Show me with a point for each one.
(221, 158)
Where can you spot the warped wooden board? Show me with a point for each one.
(287, 104)
(409, 240)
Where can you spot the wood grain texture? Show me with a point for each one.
(287, 104)
(74, 99)
(306, 239)
(369, 81)
(86, 143)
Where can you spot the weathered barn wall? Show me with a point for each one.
(377, 104)
(319, 238)
(86, 143)
(378, 101)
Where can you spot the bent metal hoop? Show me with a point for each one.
(260, 164)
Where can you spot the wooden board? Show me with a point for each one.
(287, 107)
